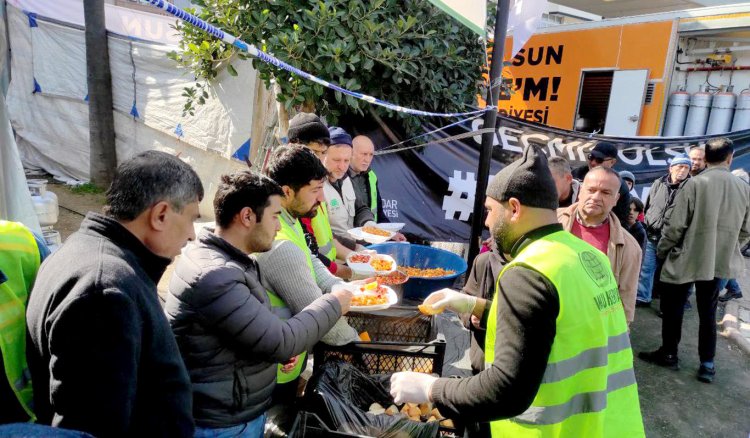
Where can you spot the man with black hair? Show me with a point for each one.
(102, 356)
(232, 333)
(308, 130)
(700, 245)
(697, 156)
(288, 269)
(567, 186)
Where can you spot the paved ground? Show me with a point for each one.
(674, 403)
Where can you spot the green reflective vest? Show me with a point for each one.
(323, 233)
(373, 180)
(294, 234)
(19, 261)
(588, 388)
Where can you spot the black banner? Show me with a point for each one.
(431, 189)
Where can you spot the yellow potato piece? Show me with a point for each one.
(371, 286)
(429, 310)
(431, 419)
(447, 423)
(435, 413)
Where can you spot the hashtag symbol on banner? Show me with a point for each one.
(461, 197)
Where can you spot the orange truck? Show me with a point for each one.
(616, 76)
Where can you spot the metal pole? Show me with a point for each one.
(102, 154)
(485, 154)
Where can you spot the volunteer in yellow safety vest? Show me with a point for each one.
(365, 181)
(288, 271)
(559, 362)
(21, 253)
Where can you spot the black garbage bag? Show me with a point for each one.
(341, 395)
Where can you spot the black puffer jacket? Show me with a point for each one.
(659, 205)
(229, 338)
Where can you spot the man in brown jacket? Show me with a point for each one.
(592, 220)
(700, 244)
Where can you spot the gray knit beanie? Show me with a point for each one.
(527, 179)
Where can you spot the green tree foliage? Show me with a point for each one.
(403, 51)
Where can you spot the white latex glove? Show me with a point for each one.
(450, 299)
(409, 387)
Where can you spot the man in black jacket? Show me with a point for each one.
(658, 207)
(102, 356)
(229, 331)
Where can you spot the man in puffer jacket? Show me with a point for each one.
(222, 316)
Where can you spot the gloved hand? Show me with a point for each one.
(409, 387)
(450, 299)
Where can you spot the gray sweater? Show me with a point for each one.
(285, 272)
(229, 338)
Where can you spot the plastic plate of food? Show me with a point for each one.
(394, 278)
(392, 226)
(371, 234)
(372, 296)
(363, 263)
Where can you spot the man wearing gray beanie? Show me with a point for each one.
(549, 271)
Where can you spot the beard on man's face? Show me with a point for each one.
(503, 236)
(313, 211)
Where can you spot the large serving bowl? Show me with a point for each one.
(423, 257)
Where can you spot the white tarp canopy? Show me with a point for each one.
(471, 13)
(47, 98)
(15, 199)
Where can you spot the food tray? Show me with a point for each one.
(359, 234)
(365, 268)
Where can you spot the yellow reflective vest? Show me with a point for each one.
(19, 262)
(323, 234)
(373, 181)
(589, 388)
(294, 234)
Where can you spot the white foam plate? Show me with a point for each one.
(366, 268)
(392, 226)
(392, 299)
(358, 234)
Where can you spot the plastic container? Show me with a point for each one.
(52, 239)
(420, 256)
(45, 202)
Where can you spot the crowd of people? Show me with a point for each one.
(88, 346)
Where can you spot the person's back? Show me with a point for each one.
(102, 356)
(709, 245)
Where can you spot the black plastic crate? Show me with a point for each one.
(399, 341)
(395, 324)
(386, 357)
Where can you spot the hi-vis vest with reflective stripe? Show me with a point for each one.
(294, 234)
(19, 261)
(373, 180)
(323, 234)
(589, 387)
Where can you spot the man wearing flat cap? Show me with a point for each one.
(558, 355)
